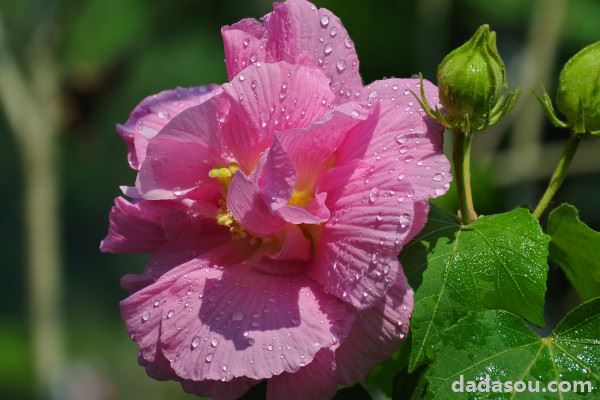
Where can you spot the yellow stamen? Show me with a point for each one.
(300, 197)
(224, 175)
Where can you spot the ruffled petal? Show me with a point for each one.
(181, 155)
(402, 130)
(219, 390)
(265, 98)
(316, 381)
(135, 227)
(376, 333)
(299, 33)
(245, 44)
(246, 203)
(356, 250)
(311, 148)
(224, 323)
(154, 112)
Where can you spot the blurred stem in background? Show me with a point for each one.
(31, 108)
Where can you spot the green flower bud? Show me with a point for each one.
(471, 80)
(578, 95)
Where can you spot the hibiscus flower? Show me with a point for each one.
(274, 207)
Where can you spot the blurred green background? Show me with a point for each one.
(89, 62)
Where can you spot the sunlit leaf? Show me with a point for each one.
(501, 345)
(574, 247)
(497, 262)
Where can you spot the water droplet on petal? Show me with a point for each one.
(209, 357)
(348, 43)
(333, 31)
(195, 342)
(328, 50)
(340, 65)
(438, 177)
(145, 316)
(214, 342)
(324, 21)
(373, 195)
(238, 316)
(170, 314)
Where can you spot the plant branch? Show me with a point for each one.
(558, 176)
(462, 171)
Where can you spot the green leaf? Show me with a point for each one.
(574, 247)
(497, 262)
(501, 345)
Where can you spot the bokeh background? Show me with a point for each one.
(71, 69)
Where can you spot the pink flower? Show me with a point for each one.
(274, 207)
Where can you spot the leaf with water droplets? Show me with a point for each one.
(497, 262)
(573, 247)
(501, 345)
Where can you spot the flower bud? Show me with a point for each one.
(578, 95)
(471, 80)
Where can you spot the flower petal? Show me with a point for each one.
(265, 98)
(134, 227)
(316, 381)
(356, 251)
(245, 44)
(311, 148)
(299, 33)
(216, 389)
(403, 130)
(181, 155)
(246, 203)
(224, 323)
(154, 112)
(376, 333)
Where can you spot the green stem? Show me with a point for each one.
(558, 176)
(462, 172)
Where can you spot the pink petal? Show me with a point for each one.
(216, 389)
(244, 44)
(266, 98)
(224, 323)
(299, 33)
(247, 205)
(134, 227)
(297, 28)
(215, 247)
(181, 155)
(294, 246)
(277, 177)
(154, 112)
(403, 130)
(376, 333)
(316, 381)
(355, 254)
(161, 370)
(311, 148)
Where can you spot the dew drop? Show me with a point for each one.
(170, 314)
(438, 177)
(242, 78)
(195, 342)
(238, 316)
(340, 65)
(214, 342)
(333, 32)
(324, 21)
(145, 316)
(373, 195)
(209, 358)
(328, 50)
(348, 43)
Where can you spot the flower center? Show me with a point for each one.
(224, 216)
